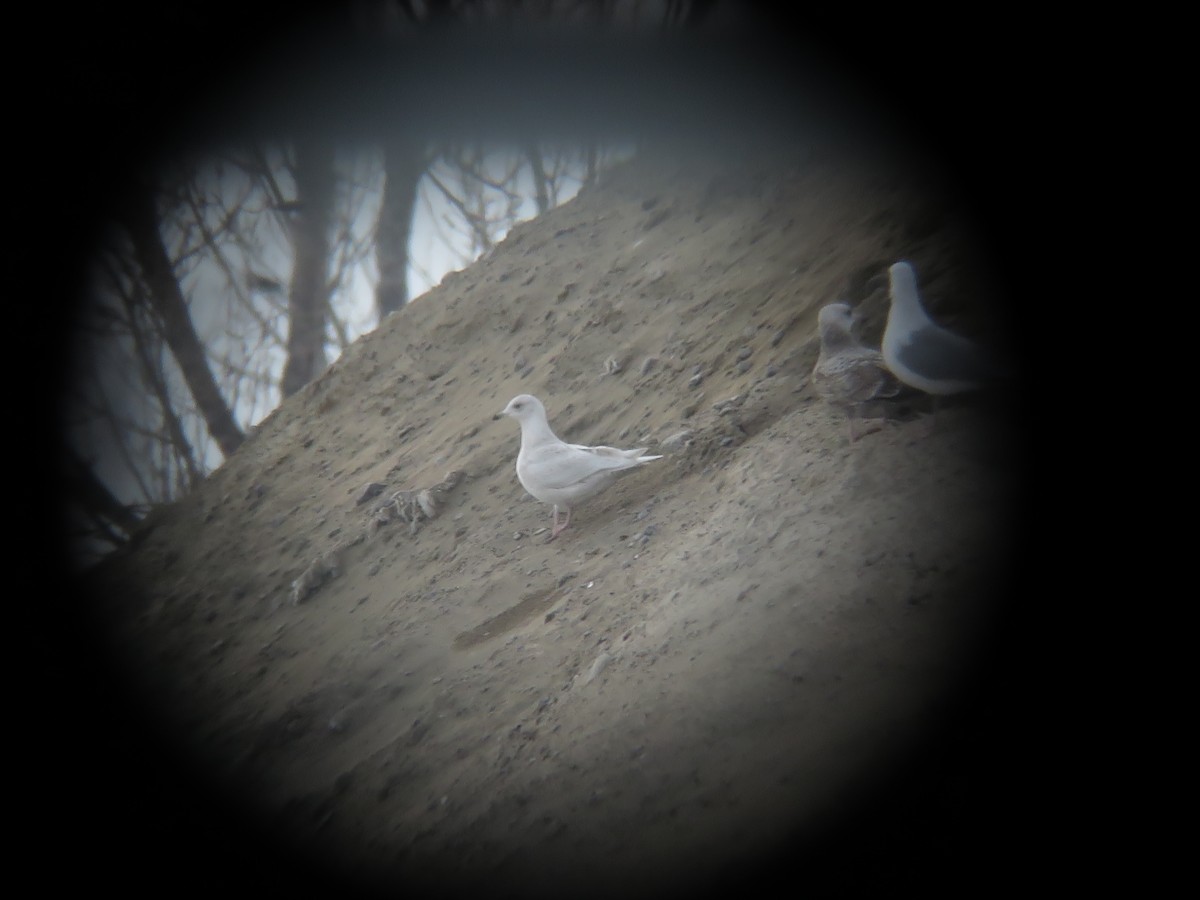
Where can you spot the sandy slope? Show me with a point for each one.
(722, 652)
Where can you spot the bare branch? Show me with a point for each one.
(309, 295)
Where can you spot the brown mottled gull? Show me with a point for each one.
(847, 374)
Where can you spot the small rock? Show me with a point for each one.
(678, 440)
(744, 353)
(656, 218)
(723, 407)
(337, 722)
(598, 666)
(695, 380)
(648, 364)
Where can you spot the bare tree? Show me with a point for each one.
(140, 219)
(190, 325)
(540, 188)
(108, 516)
(403, 165)
(309, 294)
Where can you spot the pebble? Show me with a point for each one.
(677, 441)
(338, 721)
(656, 218)
(728, 405)
(597, 667)
(369, 491)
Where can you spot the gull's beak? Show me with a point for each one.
(501, 414)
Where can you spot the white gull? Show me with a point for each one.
(559, 473)
(923, 354)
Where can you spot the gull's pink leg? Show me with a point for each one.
(558, 529)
